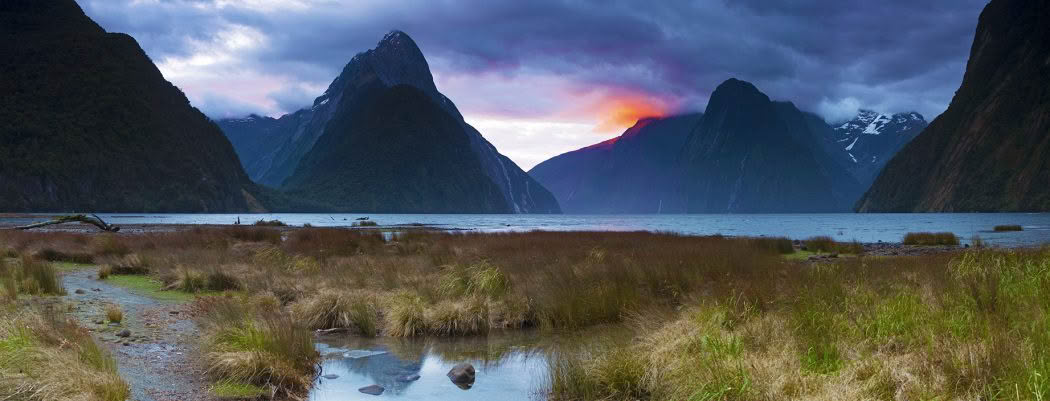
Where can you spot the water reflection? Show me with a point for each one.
(510, 366)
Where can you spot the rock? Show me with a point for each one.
(174, 312)
(408, 378)
(462, 375)
(374, 389)
(100, 321)
(96, 289)
(126, 343)
(79, 291)
(124, 333)
(330, 376)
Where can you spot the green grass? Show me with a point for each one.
(236, 391)
(150, 287)
(71, 266)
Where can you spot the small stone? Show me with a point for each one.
(124, 333)
(79, 291)
(462, 375)
(96, 289)
(408, 378)
(374, 389)
(330, 376)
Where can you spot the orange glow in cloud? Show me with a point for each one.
(621, 111)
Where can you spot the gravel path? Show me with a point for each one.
(156, 359)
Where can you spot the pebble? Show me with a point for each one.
(79, 291)
(330, 376)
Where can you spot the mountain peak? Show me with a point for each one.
(397, 39)
(735, 91)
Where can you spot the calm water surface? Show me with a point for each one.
(842, 226)
(509, 367)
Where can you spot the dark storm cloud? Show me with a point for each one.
(826, 56)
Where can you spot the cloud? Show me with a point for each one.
(509, 60)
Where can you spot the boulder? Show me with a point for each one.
(462, 375)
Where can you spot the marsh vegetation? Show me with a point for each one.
(705, 318)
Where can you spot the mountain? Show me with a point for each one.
(632, 173)
(744, 154)
(383, 139)
(871, 139)
(752, 155)
(88, 123)
(990, 150)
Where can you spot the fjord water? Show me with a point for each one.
(509, 367)
(864, 227)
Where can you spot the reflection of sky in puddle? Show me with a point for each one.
(506, 370)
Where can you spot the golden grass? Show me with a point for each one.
(114, 314)
(46, 358)
(969, 326)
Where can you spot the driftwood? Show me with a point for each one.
(93, 220)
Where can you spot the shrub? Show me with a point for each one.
(926, 238)
(1009, 227)
(114, 314)
(365, 223)
(270, 223)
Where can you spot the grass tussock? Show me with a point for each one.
(29, 276)
(930, 239)
(1008, 227)
(47, 358)
(365, 223)
(250, 348)
(330, 309)
(960, 326)
(114, 314)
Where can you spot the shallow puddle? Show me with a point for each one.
(509, 367)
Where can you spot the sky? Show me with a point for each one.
(542, 77)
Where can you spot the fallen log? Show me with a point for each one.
(93, 220)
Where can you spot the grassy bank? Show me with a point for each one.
(44, 355)
(972, 326)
